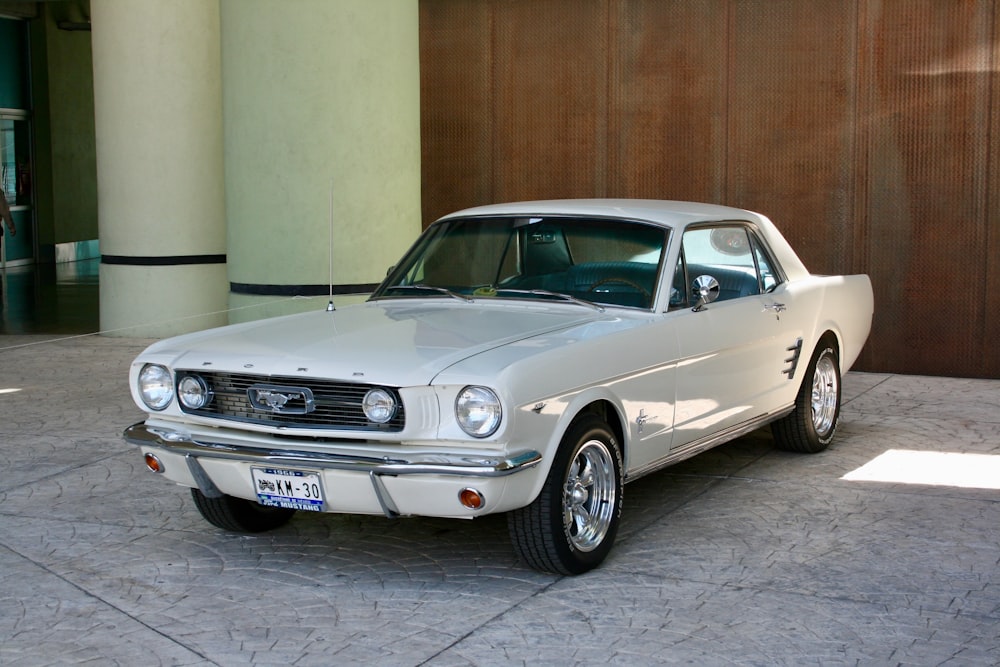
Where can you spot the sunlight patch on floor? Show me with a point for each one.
(970, 471)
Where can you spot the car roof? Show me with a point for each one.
(669, 213)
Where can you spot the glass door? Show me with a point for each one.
(16, 181)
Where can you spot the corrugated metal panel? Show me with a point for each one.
(668, 100)
(790, 132)
(863, 128)
(924, 121)
(550, 102)
(456, 111)
(990, 318)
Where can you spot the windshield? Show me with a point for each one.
(596, 260)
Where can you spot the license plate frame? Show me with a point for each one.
(289, 488)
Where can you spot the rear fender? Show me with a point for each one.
(847, 311)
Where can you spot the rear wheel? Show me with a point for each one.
(239, 515)
(810, 427)
(571, 525)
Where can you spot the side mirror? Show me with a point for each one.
(705, 290)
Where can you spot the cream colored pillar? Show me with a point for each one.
(321, 106)
(158, 115)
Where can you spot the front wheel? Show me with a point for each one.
(571, 525)
(810, 427)
(239, 515)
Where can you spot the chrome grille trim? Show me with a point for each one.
(337, 405)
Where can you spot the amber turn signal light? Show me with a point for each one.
(471, 498)
(153, 463)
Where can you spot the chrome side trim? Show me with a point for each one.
(442, 463)
(793, 361)
(698, 446)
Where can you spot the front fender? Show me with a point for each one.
(543, 424)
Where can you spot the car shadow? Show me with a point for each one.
(356, 545)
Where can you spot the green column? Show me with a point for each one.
(321, 106)
(158, 121)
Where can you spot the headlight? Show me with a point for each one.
(156, 386)
(193, 392)
(478, 412)
(379, 406)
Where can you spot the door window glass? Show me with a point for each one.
(724, 253)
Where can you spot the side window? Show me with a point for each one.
(728, 254)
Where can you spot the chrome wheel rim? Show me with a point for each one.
(825, 395)
(589, 496)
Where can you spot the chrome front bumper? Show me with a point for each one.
(439, 463)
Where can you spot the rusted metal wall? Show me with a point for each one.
(863, 128)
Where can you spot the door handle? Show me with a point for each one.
(776, 307)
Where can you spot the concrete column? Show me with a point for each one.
(321, 98)
(158, 117)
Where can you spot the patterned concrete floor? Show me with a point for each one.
(742, 556)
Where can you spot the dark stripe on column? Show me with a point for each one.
(299, 290)
(169, 260)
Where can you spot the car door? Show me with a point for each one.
(735, 350)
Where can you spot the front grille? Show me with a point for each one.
(337, 405)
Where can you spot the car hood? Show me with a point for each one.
(393, 343)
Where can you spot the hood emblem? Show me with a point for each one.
(283, 400)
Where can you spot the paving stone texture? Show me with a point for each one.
(741, 556)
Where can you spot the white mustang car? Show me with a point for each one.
(525, 358)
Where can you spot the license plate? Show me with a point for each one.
(292, 489)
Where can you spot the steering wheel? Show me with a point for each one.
(624, 281)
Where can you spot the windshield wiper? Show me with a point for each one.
(434, 288)
(558, 295)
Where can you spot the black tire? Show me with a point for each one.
(239, 515)
(571, 525)
(810, 427)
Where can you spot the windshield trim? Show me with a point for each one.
(644, 298)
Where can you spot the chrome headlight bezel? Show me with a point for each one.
(193, 392)
(379, 405)
(478, 411)
(155, 386)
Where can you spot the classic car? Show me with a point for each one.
(526, 358)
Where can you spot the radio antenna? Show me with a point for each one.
(329, 307)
